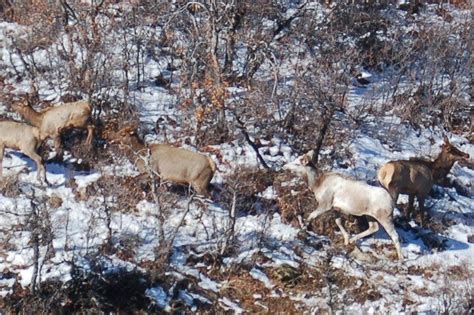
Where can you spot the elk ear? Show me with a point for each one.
(304, 160)
(128, 129)
(446, 140)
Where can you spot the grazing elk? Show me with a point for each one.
(174, 164)
(55, 120)
(350, 196)
(25, 138)
(415, 177)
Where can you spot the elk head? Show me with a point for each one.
(301, 164)
(127, 136)
(451, 153)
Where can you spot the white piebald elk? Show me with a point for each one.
(55, 120)
(337, 191)
(173, 164)
(25, 138)
(416, 177)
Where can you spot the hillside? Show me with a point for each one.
(253, 86)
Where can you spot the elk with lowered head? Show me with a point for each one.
(415, 177)
(25, 138)
(350, 196)
(173, 164)
(55, 120)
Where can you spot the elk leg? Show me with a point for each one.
(2, 149)
(390, 229)
(410, 209)
(40, 169)
(316, 213)
(90, 131)
(345, 235)
(373, 227)
(58, 146)
(206, 193)
(201, 184)
(394, 194)
(421, 204)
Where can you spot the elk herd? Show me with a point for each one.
(414, 177)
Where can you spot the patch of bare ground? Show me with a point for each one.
(95, 292)
(128, 191)
(246, 183)
(10, 186)
(461, 272)
(427, 272)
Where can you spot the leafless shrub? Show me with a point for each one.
(127, 192)
(246, 183)
(9, 186)
(38, 223)
(96, 291)
(456, 298)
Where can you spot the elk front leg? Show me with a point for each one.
(40, 169)
(90, 133)
(345, 235)
(316, 213)
(58, 146)
(410, 209)
(421, 204)
(373, 227)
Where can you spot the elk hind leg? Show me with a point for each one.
(421, 204)
(390, 229)
(90, 133)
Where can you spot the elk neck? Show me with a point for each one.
(32, 116)
(311, 175)
(441, 166)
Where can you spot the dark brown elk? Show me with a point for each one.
(55, 120)
(173, 164)
(415, 177)
(337, 191)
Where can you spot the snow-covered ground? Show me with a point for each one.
(430, 279)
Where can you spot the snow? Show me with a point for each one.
(80, 226)
(159, 295)
(261, 276)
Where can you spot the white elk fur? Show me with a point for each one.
(22, 137)
(336, 191)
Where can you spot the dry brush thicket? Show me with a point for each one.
(236, 71)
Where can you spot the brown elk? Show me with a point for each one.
(25, 138)
(350, 196)
(53, 121)
(415, 177)
(174, 164)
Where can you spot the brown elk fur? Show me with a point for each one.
(55, 120)
(416, 177)
(174, 164)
